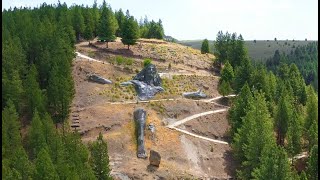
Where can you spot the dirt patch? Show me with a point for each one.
(213, 126)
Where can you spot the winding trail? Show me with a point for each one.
(173, 125)
(177, 123)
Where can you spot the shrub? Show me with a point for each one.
(129, 61)
(119, 60)
(146, 62)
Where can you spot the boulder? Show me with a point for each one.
(154, 158)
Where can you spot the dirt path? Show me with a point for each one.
(195, 116)
(198, 136)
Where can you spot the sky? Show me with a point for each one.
(200, 19)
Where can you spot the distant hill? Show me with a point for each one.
(258, 50)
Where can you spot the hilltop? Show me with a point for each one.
(109, 109)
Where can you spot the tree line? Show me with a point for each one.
(273, 118)
(38, 88)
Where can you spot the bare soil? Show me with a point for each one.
(182, 156)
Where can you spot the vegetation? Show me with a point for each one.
(205, 46)
(151, 29)
(130, 32)
(272, 118)
(38, 90)
(146, 62)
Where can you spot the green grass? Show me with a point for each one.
(260, 50)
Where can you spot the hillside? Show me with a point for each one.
(259, 50)
(109, 109)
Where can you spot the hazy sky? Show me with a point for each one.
(199, 19)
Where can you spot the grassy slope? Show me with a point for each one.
(257, 51)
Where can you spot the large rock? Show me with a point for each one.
(147, 83)
(140, 116)
(149, 75)
(195, 95)
(98, 79)
(154, 158)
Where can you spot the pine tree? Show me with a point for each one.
(88, 33)
(21, 163)
(274, 165)
(130, 32)
(121, 20)
(284, 114)
(239, 108)
(255, 134)
(100, 159)
(243, 73)
(107, 24)
(11, 138)
(294, 134)
(36, 137)
(44, 166)
(312, 108)
(78, 22)
(312, 169)
(33, 92)
(226, 79)
(205, 46)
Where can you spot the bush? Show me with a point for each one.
(129, 61)
(146, 62)
(119, 60)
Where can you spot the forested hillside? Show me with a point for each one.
(38, 88)
(273, 118)
(304, 57)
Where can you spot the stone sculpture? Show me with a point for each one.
(140, 116)
(149, 75)
(194, 95)
(98, 79)
(147, 83)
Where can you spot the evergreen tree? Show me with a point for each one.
(100, 159)
(274, 165)
(284, 114)
(312, 169)
(226, 79)
(36, 137)
(303, 176)
(255, 134)
(33, 92)
(243, 74)
(294, 134)
(130, 32)
(205, 46)
(121, 20)
(44, 166)
(89, 22)
(107, 24)
(239, 109)
(11, 138)
(312, 108)
(78, 22)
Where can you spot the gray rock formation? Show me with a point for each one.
(194, 95)
(149, 75)
(98, 79)
(147, 83)
(140, 116)
(154, 158)
(144, 91)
